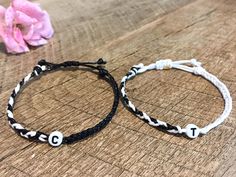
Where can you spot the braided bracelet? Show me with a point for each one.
(191, 130)
(56, 138)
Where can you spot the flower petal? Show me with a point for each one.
(23, 19)
(47, 30)
(2, 12)
(29, 8)
(24, 23)
(9, 17)
(18, 36)
(12, 46)
(39, 42)
(43, 28)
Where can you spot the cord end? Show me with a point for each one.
(194, 62)
(101, 61)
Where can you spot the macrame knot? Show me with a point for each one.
(37, 70)
(198, 70)
(102, 72)
(164, 64)
(44, 65)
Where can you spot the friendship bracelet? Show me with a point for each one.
(191, 130)
(56, 138)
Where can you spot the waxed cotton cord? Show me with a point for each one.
(191, 130)
(56, 138)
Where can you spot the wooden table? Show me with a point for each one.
(125, 33)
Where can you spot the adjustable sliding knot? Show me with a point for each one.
(102, 72)
(198, 70)
(46, 66)
(164, 64)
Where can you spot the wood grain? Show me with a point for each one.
(125, 33)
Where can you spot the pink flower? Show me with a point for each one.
(23, 23)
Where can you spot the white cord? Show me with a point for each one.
(191, 130)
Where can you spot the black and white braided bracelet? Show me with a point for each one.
(191, 130)
(56, 138)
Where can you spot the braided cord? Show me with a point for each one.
(191, 130)
(44, 66)
(91, 131)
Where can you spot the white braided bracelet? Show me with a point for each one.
(191, 130)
